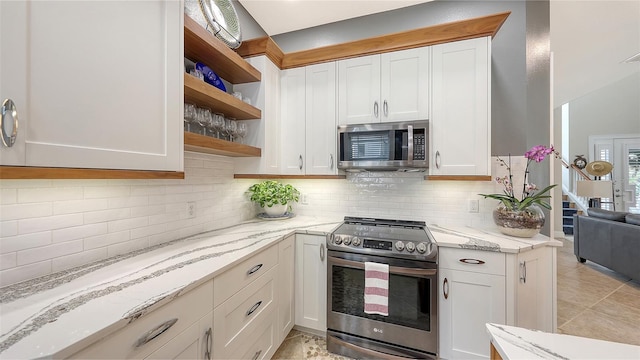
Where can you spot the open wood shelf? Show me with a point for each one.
(209, 145)
(201, 46)
(275, 176)
(204, 95)
(459, 177)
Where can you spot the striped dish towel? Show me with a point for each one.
(376, 288)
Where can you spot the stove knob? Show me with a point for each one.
(346, 240)
(338, 239)
(399, 245)
(422, 248)
(411, 246)
(356, 241)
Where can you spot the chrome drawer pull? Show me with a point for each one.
(472, 261)
(445, 288)
(523, 272)
(257, 355)
(254, 269)
(155, 332)
(254, 307)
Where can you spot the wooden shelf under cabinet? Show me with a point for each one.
(204, 95)
(201, 46)
(205, 144)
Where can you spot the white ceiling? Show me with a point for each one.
(281, 16)
(589, 38)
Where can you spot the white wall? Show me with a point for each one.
(52, 225)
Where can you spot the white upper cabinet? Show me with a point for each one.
(388, 87)
(321, 124)
(461, 108)
(292, 139)
(96, 84)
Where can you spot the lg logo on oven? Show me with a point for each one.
(376, 330)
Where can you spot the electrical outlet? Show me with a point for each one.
(304, 199)
(474, 206)
(191, 209)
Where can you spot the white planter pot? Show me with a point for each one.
(275, 210)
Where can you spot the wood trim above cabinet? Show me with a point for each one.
(459, 177)
(28, 172)
(431, 35)
(275, 176)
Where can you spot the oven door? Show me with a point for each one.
(412, 320)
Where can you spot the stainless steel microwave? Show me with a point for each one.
(384, 146)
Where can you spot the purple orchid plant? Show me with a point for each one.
(529, 194)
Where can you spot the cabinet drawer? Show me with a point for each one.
(264, 345)
(486, 262)
(186, 310)
(231, 281)
(236, 319)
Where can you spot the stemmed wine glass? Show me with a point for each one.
(241, 131)
(203, 119)
(218, 124)
(189, 115)
(231, 127)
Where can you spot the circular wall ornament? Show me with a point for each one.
(580, 162)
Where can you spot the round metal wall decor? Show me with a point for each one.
(222, 21)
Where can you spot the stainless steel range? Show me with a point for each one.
(410, 330)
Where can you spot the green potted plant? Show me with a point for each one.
(274, 197)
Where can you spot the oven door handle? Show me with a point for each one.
(368, 352)
(392, 269)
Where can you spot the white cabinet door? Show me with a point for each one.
(460, 121)
(286, 285)
(193, 343)
(311, 282)
(467, 302)
(359, 90)
(321, 125)
(104, 82)
(405, 85)
(292, 130)
(534, 295)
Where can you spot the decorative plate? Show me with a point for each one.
(211, 77)
(287, 215)
(223, 21)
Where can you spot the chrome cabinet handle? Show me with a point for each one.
(254, 269)
(209, 342)
(437, 159)
(445, 288)
(257, 355)
(472, 261)
(375, 109)
(321, 252)
(301, 162)
(155, 332)
(385, 108)
(330, 161)
(7, 112)
(523, 272)
(254, 308)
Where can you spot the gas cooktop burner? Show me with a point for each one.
(385, 237)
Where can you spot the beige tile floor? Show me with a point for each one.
(593, 302)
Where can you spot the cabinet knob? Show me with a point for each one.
(8, 115)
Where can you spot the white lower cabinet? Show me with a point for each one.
(286, 286)
(311, 282)
(479, 287)
(176, 329)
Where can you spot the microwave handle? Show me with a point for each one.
(392, 269)
(410, 143)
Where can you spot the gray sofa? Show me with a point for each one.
(609, 238)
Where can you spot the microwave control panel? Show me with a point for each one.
(419, 148)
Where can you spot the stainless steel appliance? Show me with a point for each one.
(411, 328)
(384, 146)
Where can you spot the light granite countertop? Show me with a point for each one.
(59, 314)
(513, 343)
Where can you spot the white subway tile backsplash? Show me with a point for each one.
(25, 211)
(8, 196)
(8, 228)
(79, 232)
(127, 224)
(79, 206)
(49, 194)
(129, 201)
(106, 215)
(148, 230)
(22, 242)
(98, 241)
(101, 192)
(8, 260)
(77, 259)
(27, 226)
(25, 272)
(127, 246)
(38, 254)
